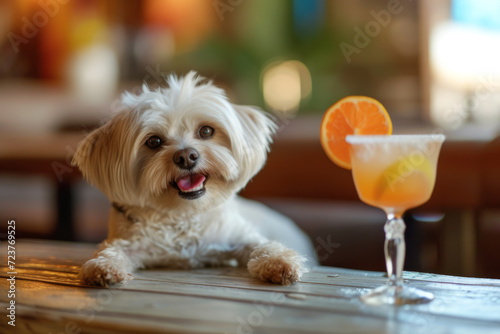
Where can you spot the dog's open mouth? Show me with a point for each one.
(190, 186)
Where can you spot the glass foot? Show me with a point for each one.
(396, 295)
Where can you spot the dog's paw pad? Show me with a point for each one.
(275, 270)
(103, 272)
(275, 263)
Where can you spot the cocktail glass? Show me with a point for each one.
(395, 173)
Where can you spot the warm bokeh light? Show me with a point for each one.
(189, 20)
(93, 74)
(461, 54)
(464, 65)
(285, 84)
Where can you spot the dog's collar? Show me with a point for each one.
(121, 209)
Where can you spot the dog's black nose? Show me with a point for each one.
(186, 158)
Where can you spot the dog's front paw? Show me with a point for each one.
(275, 263)
(103, 271)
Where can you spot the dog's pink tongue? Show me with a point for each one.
(191, 181)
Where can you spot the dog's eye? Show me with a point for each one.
(206, 132)
(153, 142)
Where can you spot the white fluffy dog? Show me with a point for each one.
(171, 162)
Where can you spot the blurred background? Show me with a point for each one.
(433, 64)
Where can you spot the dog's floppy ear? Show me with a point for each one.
(91, 151)
(256, 137)
(104, 161)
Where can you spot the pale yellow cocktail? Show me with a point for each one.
(394, 173)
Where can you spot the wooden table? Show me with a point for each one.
(49, 299)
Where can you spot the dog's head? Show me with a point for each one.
(184, 147)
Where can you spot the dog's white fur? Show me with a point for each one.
(150, 223)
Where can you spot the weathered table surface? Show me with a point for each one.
(49, 299)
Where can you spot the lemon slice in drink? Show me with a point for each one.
(408, 180)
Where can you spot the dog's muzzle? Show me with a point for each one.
(190, 186)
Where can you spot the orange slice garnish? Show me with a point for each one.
(352, 115)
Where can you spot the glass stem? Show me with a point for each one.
(394, 248)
